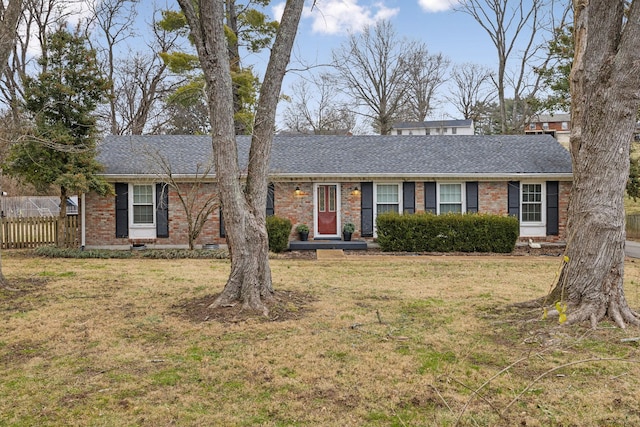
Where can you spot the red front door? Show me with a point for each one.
(327, 203)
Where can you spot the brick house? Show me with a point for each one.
(557, 125)
(326, 181)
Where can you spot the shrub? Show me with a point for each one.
(278, 230)
(54, 252)
(427, 232)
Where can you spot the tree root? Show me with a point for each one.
(621, 316)
(5, 285)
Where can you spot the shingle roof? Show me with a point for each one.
(351, 156)
(433, 124)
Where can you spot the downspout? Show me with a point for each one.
(82, 218)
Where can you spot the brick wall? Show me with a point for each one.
(101, 225)
(297, 206)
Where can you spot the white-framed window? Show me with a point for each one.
(387, 198)
(427, 131)
(143, 209)
(565, 125)
(532, 126)
(454, 131)
(450, 198)
(531, 203)
(398, 132)
(545, 126)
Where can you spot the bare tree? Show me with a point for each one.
(243, 206)
(425, 74)
(315, 108)
(139, 79)
(371, 70)
(605, 78)
(514, 28)
(471, 90)
(114, 20)
(9, 17)
(197, 201)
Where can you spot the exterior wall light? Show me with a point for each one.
(355, 191)
(298, 191)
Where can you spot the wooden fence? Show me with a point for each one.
(633, 226)
(32, 232)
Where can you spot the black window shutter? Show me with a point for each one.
(366, 209)
(553, 212)
(409, 197)
(162, 210)
(430, 204)
(271, 191)
(513, 198)
(223, 233)
(122, 210)
(472, 197)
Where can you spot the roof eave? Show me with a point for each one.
(359, 176)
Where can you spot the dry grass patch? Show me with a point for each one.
(376, 341)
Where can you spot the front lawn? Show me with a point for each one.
(361, 341)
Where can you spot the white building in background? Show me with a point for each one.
(434, 127)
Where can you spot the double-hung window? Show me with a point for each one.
(531, 203)
(143, 209)
(387, 198)
(450, 198)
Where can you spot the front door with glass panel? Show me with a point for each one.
(326, 210)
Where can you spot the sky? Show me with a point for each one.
(326, 25)
(436, 23)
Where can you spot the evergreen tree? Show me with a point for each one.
(61, 146)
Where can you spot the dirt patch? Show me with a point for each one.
(286, 305)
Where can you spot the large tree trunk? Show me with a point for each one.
(243, 207)
(604, 93)
(10, 16)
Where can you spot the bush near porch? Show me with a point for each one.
(425, 232)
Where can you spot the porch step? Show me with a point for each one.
(312, 245)
(324, 254)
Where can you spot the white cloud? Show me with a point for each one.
(342, 16)
(278, 10)
(437, 5)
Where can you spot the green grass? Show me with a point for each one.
(399, 341)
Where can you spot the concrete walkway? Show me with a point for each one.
(632, 249)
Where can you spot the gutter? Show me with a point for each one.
(560, 176)
(83, 229)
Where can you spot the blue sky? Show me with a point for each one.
(434, 22)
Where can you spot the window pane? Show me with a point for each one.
(321, 199)
(332, 199)
(531, 202)
(386, 208)
(387, 193)
(142, 214)
(450, 208)
(531, 212)
(450, 193)
(143, 194)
